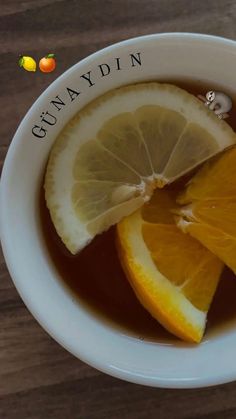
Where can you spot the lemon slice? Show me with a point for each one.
(172, 274)
(108, 159)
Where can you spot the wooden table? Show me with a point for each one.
(39, 379)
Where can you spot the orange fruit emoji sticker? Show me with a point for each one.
(48, 63)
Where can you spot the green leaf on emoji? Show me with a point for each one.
(21, 61)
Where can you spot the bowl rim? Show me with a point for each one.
(195, 382)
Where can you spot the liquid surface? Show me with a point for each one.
(95, 276)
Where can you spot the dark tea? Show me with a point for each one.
(96, 278)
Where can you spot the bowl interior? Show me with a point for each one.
(153, 57)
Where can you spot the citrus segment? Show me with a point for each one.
(160, 128)
(194, 145)
(215, 180)
(93, 198)
(121, 136)
(94, 162)
(221, 244)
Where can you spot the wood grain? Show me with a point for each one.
(39, 379)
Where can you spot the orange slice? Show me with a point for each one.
(172, 274)
(210, 207)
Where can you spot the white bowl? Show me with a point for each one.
(167, 56)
